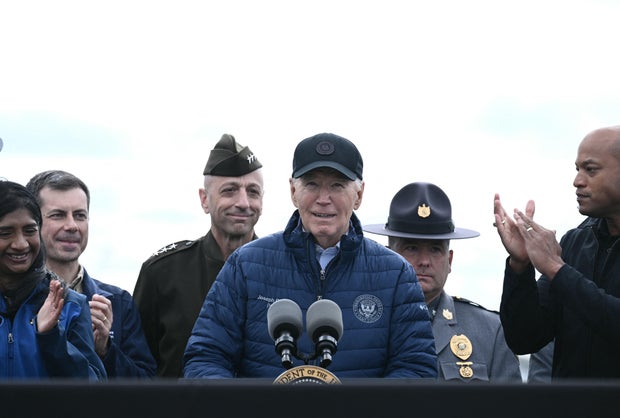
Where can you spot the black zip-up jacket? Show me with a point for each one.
(580, 308)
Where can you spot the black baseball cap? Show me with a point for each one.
(328, 150)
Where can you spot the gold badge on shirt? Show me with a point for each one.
(465, 370)
(462, 348)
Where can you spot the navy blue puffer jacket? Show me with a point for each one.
(387, 332)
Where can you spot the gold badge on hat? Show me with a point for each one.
(462, 348)
(447, 314)
(424, 211)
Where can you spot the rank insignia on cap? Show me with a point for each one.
(230, 159)
(461, 346)
(424, 211)
(251, 159)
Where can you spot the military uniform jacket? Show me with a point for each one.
(169, 292)
(470, 343)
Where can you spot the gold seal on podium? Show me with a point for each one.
(306, 374)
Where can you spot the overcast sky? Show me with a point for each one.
(478, 97)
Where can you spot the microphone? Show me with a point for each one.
(285, 322)
(324, 322)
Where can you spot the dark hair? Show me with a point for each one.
(56, 180)
(14, 196)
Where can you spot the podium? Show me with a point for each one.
(393, 398)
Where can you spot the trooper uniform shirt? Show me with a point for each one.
(169, 293)
(470, 343)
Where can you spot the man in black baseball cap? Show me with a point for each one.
(328, 150)
(469, 339)
(321, 254)
(173, 282)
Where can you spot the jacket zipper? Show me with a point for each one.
(321, 281)
(10, 352)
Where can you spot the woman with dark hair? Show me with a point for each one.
(45, 328)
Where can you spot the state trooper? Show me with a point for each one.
(469, 339)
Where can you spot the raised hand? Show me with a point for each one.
(102, 317)
(47, 317)
(511, 235)
(541, 245)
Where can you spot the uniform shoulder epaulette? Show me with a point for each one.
(173, 248)
(469, 302)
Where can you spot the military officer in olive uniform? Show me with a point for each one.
(173, 282)
(469, 339)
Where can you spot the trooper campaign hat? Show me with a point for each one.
(328, 150)
(230, 159)
(421, 210)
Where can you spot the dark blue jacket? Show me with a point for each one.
(387, 331)
(128, 353)
(66, 351)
